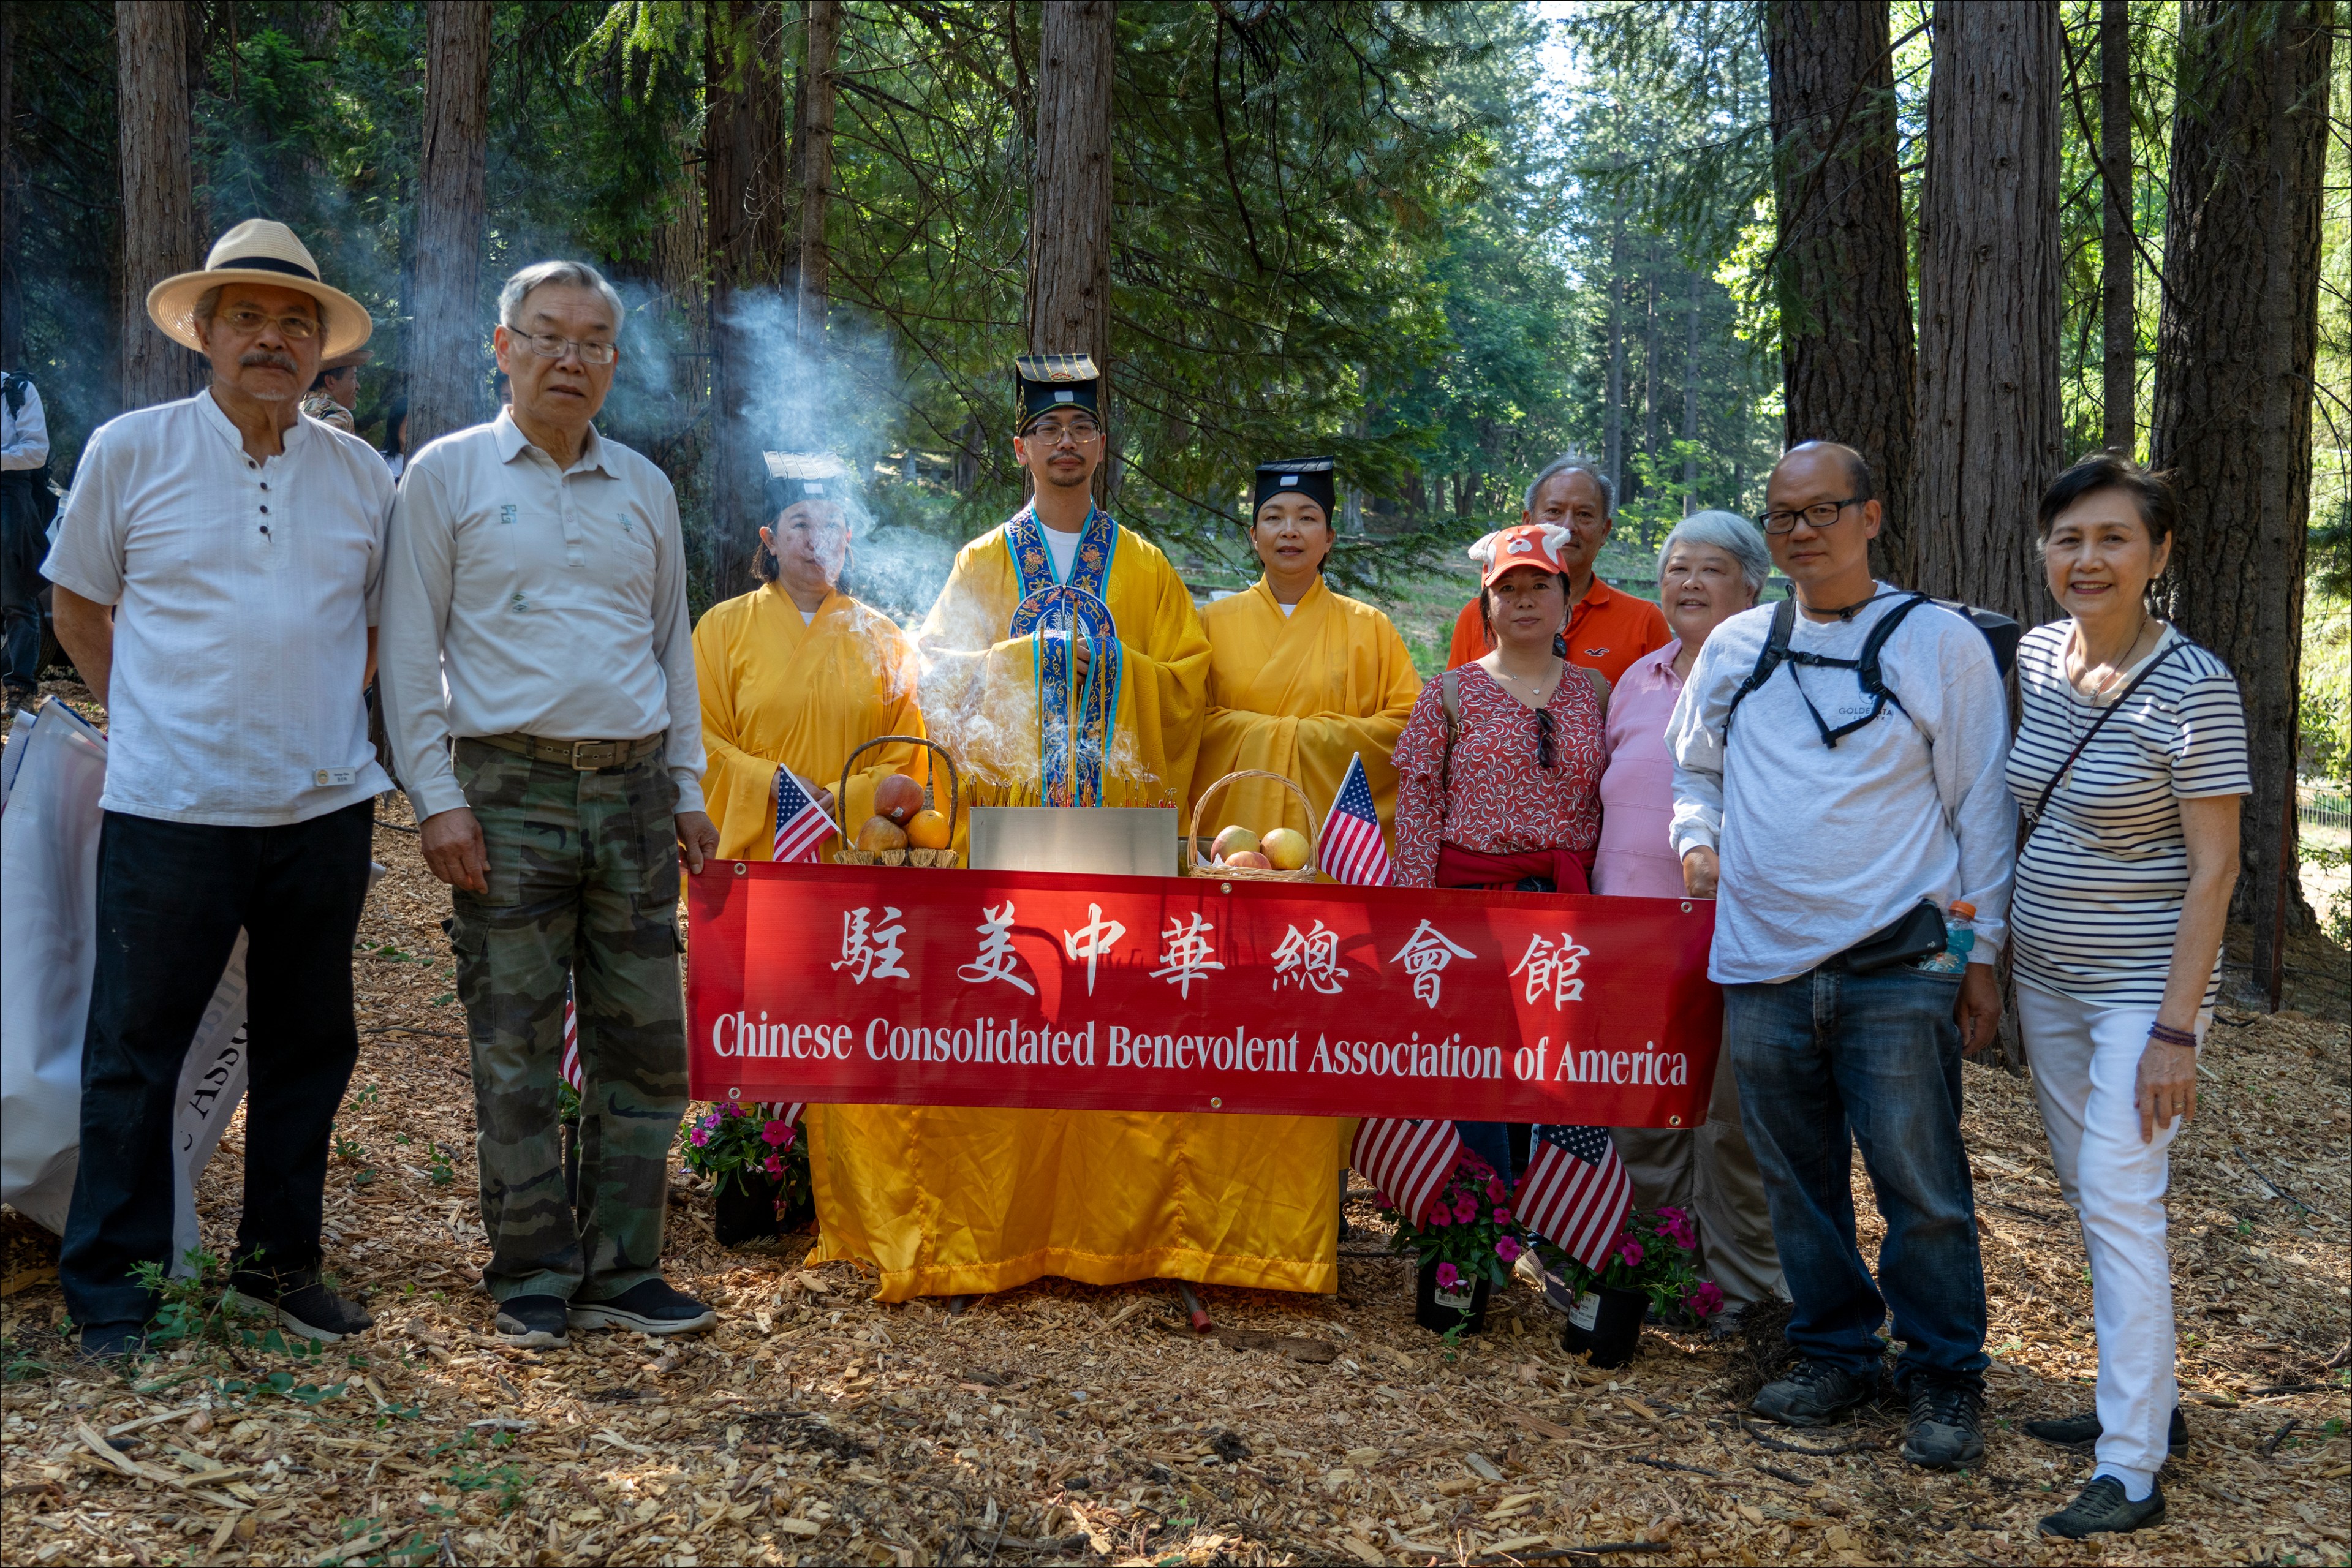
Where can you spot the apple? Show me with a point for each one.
(897, 797)
(1250, 858)
(1234, 840)
(1286, 848)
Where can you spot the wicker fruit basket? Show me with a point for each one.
(1196, 865)
(934, 859)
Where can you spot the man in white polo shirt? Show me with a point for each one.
(535, 614)
(218, 567)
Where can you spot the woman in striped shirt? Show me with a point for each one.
(2129, 759)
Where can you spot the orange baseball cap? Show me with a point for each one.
(1529, 544)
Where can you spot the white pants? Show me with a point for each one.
(2085, 1065)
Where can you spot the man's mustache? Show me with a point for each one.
(259, 357)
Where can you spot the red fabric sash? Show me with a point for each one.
(1568, 871)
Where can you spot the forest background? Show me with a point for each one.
(1446, 242)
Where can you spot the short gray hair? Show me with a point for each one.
(560, 274)
(1729, 532)
(1573, 463)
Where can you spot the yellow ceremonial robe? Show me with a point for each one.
(950, 1200)
(775, 690)
(1300, 696)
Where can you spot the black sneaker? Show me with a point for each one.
(1814, 1394)
(532, 1323)
(2080, 1434)
(300, 1302)
(2102, 1507)
(1947, 1424)
(111, 1343)
(649, 1306)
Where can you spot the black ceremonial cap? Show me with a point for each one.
(805, 477)
(1044, 383)
(1309, 476)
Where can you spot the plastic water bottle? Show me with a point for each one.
(1959, 935)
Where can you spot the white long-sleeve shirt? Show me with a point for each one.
(1822, 847)
(522, 599)
(23, 434)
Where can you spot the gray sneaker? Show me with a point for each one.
(1814, 1394)
(1947, 1424)
(2102, 1507)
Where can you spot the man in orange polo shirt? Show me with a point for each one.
(1607, 630)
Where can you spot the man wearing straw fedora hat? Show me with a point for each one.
(218, 567)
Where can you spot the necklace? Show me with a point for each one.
(1533, 687)
(2115, 666)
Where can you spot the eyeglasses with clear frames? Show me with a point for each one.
(1076, 432)
(548, 346)
(245, 320)
(1820, 515)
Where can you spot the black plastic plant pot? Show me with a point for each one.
(744, 1208)
(1440, 1310)
(1607, 1323)
(797, 1214)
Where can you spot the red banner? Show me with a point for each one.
(960, 987)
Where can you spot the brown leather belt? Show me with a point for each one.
(587, 756)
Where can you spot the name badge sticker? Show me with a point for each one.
(326, 776)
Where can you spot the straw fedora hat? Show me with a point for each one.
(259, 250)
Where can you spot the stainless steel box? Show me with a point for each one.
(1108, 841)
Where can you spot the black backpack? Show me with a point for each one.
(45, 500)
(1999, 631)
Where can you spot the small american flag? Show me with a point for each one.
(1576, 1192)
(1352, 852)
(1409, 1160)
(801, 823)
(571, 1037)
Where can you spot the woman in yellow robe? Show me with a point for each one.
(952, 1200)
(797, 674)
(1301, 679)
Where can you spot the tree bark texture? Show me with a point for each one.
(1842, 271)
(1988, 435)
(1612, 417)
(159, 232)
(1070, 195)
(1690, 395)
(818, 86)
(12, 309)
(449, 361)
(2234, 358)
(2119, 326)
(759, 401)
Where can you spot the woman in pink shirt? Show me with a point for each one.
(1711, 567)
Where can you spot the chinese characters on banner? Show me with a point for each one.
(958, 987)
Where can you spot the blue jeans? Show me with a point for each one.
(1831, 1060)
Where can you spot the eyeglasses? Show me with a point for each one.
(245, 321)
(1820, 515)
(548, 346)
(1074, 433)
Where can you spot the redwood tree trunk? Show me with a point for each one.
(1612, 417)
(12, 330)
(159, 235)
(1846, 354)
(817, 89)
(1988, 435)
(1070, 195)
(2119, 325)
(449, 361)
(1690, 397)
(758, 400)
(2234, 358)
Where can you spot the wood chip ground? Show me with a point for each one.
(1062, 1423)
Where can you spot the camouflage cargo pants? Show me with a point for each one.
(582, 882)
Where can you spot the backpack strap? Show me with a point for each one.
(1600, 684)
(1776, 649)
(12, 387)
(1449, 706)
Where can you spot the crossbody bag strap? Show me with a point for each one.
(1600, 691)
(1449, 706)
(2041, 805)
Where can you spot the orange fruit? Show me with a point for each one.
(927, 831)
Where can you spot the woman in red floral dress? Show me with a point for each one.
(1507, 794)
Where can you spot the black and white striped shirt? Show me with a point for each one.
(2100, 882)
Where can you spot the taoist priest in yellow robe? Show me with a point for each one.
(1301, 680)
(953, 1200)
(796, 674)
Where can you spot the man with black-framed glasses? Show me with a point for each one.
(1838, 789)
(539, 687)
